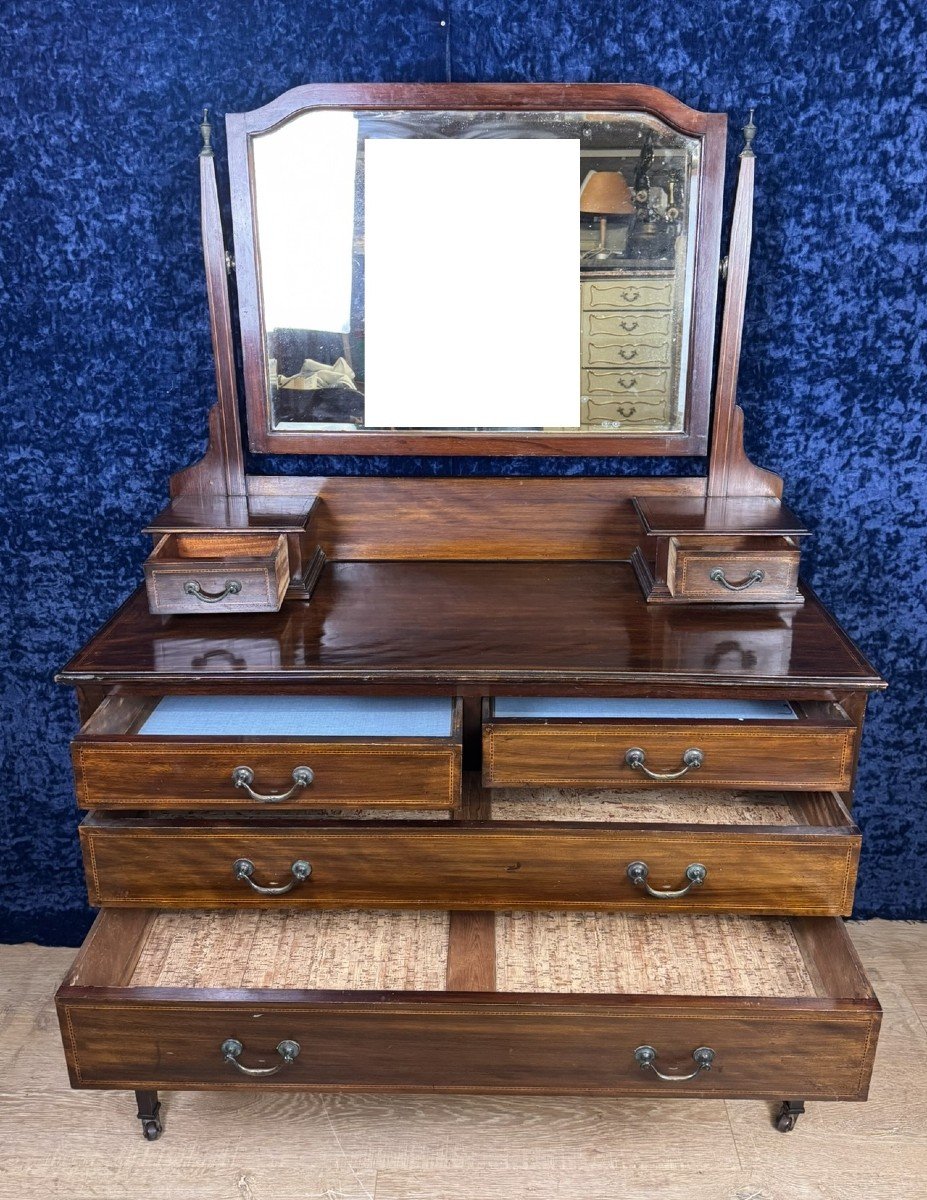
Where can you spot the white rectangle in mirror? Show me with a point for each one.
(470, 281)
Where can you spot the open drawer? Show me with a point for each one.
(302, 752)
(482, 1002)
(647, 742)
(756, 852)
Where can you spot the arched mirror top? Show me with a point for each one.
(477, 270)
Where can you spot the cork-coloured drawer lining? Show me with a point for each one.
(398, 950)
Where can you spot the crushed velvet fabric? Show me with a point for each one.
(107, 370)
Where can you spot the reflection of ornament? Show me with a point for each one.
(657, 200)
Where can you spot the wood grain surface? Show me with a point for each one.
(535, 628)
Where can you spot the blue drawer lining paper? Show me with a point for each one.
(680, 710)
(300, 716)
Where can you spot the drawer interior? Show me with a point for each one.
(299, 716)
(725, 545)
(216, 547)
(537, 805)
(669, 807)
(275, 716)
(577, 707)
(407, 951)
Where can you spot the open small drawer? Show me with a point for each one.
(217, 572)
(644, 742)
(196, 752)
(595, 1003)
(695, 851)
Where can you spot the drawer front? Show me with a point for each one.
(733, 576)
(630, 413)
(454, 1044)
(761, 871)
(627, 327)
(641, 292)
(604, 350)
(319, 752)
(257, 589)
(154, 998)
(149, 772)
(632, 384)
(783, 754)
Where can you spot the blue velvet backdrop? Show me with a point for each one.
(106, 353)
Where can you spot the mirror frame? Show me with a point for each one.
(709, 128)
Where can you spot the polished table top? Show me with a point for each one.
(465, 626)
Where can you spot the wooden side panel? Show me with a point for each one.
(785, 754)
(816, 1049)
(761, 871)
(160, 773)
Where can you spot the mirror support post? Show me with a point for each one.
(730, 472)
(221, 471)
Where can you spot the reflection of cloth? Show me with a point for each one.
(315, 375)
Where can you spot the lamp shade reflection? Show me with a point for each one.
(605, 194)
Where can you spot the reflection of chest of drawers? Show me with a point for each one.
(627, 364)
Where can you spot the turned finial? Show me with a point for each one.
(206, 134)
(749, 132)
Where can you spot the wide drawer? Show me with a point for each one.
(483, 1002)
(759, 852)
(691, 743)
(284, 752)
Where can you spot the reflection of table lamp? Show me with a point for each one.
(605, 194)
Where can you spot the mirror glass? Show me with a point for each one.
(510, 271)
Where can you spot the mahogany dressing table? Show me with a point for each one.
(503, 785)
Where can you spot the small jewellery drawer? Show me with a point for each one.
(281, 751)
(606, 351)
(755, 852)
(215, 572)
(647, 742)
(507, 1002)
(620, 410)
(629, 383)
(639, 292)
(741, 570)
(627, 327)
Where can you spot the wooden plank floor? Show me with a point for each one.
(83, 1145)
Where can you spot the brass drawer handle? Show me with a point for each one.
(695, 873)
(627, 383)
(243, 777)
(192, 588)
(629, 326)
(691, 761)
(243, 868)
(231, 1048)
(626, 352)
(630, 294)
(704, 1057)
(718, 576)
